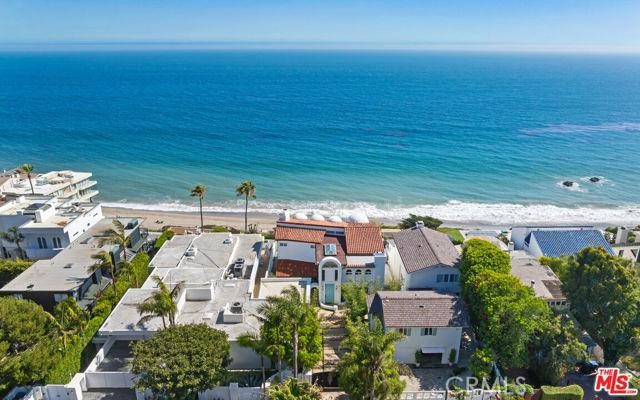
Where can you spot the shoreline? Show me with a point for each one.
(156, 219)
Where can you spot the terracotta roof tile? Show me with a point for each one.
(299, 234)
(340, 254)
(298, 269)
(363, 239)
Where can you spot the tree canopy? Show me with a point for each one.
(9, 269)
(368, 371)
(604, 293)
(479, 255)
(28, 342)
(182, 360)
(412, 219)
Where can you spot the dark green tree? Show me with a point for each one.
(29, 343)
(9, 269)
(506, 314)
(355, 297)
(180, 361)
(412, 219)
(554, 349)
(604, 292)
(368, 371)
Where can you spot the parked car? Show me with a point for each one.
(588, 367)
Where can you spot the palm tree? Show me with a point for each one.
(290, 308)
(13, 235)
(259, 346)
(199, 191)
(128, 269)
(161, 304)
(103, 260)
(27, 169)
(117, 236)
(248, 190)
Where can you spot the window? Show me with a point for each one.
(429, 331)
(283, 244)
(405, 331)
(57, 243)
(330, 249)
(42, 243)
(367, 272)
(348, 272)
(358, 272)
(447, 278)
(323, 277)
(335, 275)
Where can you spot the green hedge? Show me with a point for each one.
(9, 269)
(572, 392)
(166, 235)
(79, 351)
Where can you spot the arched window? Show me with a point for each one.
(358, 272)
(367, 272)
(348, 272)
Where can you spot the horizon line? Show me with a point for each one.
(313, 45)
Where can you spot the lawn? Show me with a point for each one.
(454, 234)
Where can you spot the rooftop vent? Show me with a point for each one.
(191, 251)
(68, 266)
(233, 313)
(419, 224)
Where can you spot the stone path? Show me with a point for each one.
(334, 332)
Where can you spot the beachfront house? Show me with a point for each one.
(432, 324)
(329, 251)
(540, 278)
(424, 259)
(215, 274)
(68, 273)
(68, 186)
(557, 241)
(45, 225)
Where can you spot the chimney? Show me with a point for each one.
(285, 215)
(419, 224)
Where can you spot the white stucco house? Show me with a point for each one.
(46, 225)
(424, 259)
(329, 251)
(432, 323)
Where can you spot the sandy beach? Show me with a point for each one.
(155, 220)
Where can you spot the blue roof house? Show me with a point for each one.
(556, 243)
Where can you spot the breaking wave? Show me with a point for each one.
(452, 211)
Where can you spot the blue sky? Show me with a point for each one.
(603, 25)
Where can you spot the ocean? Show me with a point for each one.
(461, 136)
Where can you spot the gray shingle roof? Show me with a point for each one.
(422, 248)
(568, 242)
(425, 308)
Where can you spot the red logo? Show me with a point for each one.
(614, 382)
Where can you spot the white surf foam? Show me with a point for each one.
(452, 211)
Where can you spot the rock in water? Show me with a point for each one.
(568, 183)
(594, 179)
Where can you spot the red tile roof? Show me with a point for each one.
(299, 234)
(363, 239)
(340, 254)
(298, 269)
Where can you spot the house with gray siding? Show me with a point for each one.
(424, 259)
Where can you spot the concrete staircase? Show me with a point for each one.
(334, 331)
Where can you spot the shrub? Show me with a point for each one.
(480, 364)
(452, 355)
(572, 392)
(166, 235)
(292, 389)
(9, 269)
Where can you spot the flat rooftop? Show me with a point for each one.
(68, 269)
(46, 183)
(198, 263)
(528, 269)
(61, 215)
